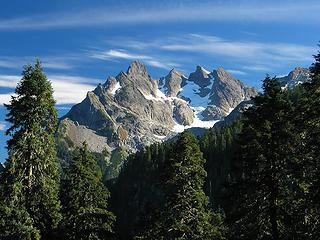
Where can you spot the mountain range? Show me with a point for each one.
(132, 110)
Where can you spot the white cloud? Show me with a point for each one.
(272, 11)
(48, 62)
(236, 72)
(256, 68)
(119, 54)
(2, 126)
(122, 54)
(9, 81)
(241, 49)
(246, 56)
(264, 55)
(67, 89)
(68, 92)
(5, 98)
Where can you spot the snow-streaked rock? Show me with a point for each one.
(147, 110)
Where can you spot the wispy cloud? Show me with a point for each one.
(8, 81)
(236, 72)
(122, 54)
(48, 62)
(245, 55)
(67, 89)
(245, 50)
(256, 68)
(2, 126)
(5, 98)
(272, 11)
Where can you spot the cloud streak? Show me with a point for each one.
(246, 56)
(67, 89)
(59, 63)
(122, 54)
(245, 50)
(297, 12)
(2, 126)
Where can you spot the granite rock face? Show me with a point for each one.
(212, 113)
(173, 83)
(227, 92)
(133, 110)
(183, 114)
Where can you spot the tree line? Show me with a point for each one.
(257, 178)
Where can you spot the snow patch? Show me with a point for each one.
(116, 88)
(178, 128)
(205, 70)
(151, 97)
(192, 90)
(161, 137)
(230, 110)
(197, 122)
(160, 96)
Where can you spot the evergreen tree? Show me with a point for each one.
(136, 192)
(308, 125)
(30, 182)
(185, 214)
(219, 146)
(85, 200)
(263, 193)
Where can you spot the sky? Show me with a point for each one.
(81, 43)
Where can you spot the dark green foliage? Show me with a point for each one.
(218, 146)
(308, 126)
(112, 170)
(264, 188)
(185, 214)
(15, 221)
(136, 192)
(85, 200)
(30, 182)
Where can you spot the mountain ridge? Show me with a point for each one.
(132, 110)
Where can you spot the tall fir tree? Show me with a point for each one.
(30, 183)
(185, 214)
(263, 194)
(308, 124)
(85, 200)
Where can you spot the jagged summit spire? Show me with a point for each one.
(201, 76)
(298, 71)
(201, 69)
(221, 75)
(174, 71)
(137, 68)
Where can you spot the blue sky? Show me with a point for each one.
(82, 42)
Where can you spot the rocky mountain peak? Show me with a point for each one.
(173, 82)
(174, 72)
(227, 92)
(299, 71)
(297, 76)
(201, 77)
(133, 105)
(200, 72)
(221, 74)
(137, 68)
(136, 81)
